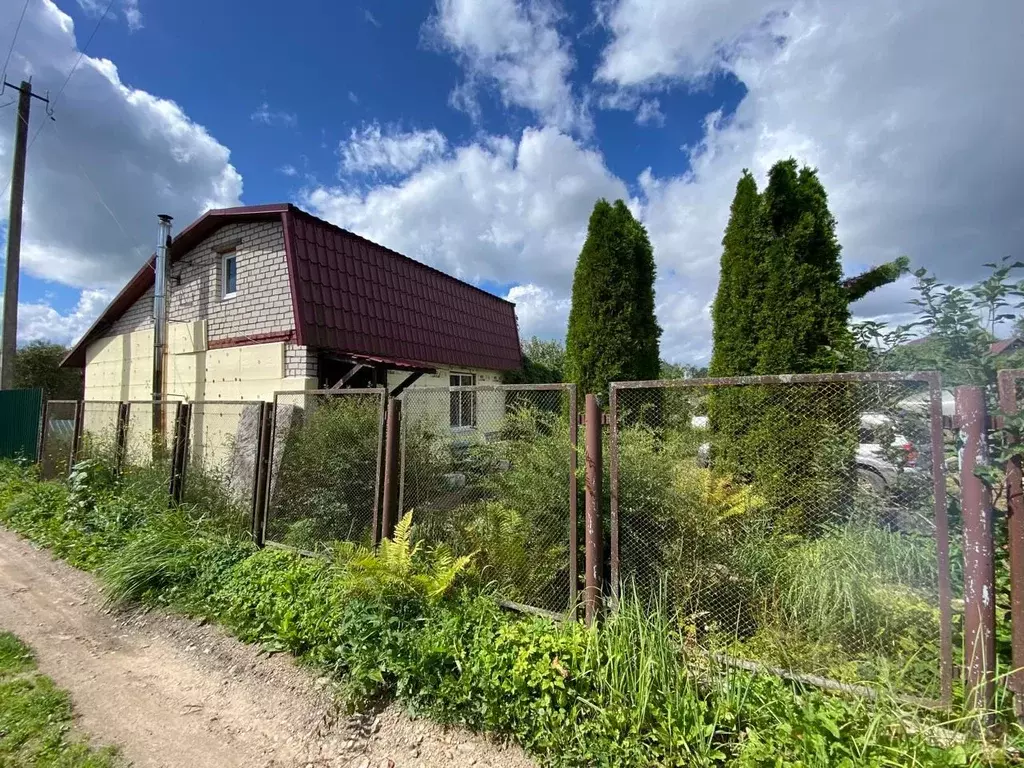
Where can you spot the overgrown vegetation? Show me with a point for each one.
(409, 623)
(35, 717)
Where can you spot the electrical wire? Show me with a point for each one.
(81, 55)
(50, 106)
(10, 51)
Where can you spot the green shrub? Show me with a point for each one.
(633, 691)
(328, 470)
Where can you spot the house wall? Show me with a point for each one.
(428, 400)
(119, 364)
(262, 303)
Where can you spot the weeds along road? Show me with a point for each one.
(170, 692)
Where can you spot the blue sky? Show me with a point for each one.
(476, 134)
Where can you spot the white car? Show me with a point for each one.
(874, 468)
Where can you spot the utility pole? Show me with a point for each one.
(10, 327)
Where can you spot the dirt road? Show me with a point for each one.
(170, 692)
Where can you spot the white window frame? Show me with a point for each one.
(458, 400)
(224, 259)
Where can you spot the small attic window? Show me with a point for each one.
(229, 276)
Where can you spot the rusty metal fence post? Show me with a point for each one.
(979, 561)
(594, 550)
(179, 452)
(392, 472)
(1015, 539)
(261, 493)
(76, 435)
(121, 437)
(44, 416)
(573, 512)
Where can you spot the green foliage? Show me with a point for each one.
(328, 470)
(36, 717)
(628, 693)
(543, 363)
(956, 326)
(859, 286)
(512, 515)
(613, 334)
(782, 308)
(37, 365)
(740, 285)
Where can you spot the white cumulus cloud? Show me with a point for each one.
(39, 320)
(540, 311)
(115, 157)
(515, 46)
(905, 110)
(497, 210)
(389, 151)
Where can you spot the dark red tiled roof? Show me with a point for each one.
(350, 295)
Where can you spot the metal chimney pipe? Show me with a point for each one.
(160, 320)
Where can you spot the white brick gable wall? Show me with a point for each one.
(262, 303)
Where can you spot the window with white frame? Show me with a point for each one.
(462, 404)
(228, 276)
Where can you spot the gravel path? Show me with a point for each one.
(172, 692)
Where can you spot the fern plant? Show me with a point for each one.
(401, 565)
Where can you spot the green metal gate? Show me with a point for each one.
(20, 417)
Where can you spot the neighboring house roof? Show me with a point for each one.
(350, 295)
(1006, 345)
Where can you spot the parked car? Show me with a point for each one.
(875, 468)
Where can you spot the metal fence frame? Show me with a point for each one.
(187, 458)
(44, 430)
(268, 480)
(934, 382)
(1010, 406)
(570, 391)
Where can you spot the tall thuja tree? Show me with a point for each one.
(783, 307)
(613, 334)
(739, 286)
(734, 317)
(803, 315)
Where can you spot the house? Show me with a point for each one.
(269, 298)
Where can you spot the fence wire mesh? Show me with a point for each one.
(489, 472)
(58, 437)
(99, 430)
(793, 524)
(325, 467)
(221, 462)
(149, 436)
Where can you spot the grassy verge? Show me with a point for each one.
(35, 717)
(411, 623)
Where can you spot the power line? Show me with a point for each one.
(81, 55)
(10, 51)
(49, 111)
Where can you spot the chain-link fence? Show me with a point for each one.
(99, 430)
(325, 470)
(149, 435)
(58, 438)
(221, 460)
(490, 471)
(790, 520)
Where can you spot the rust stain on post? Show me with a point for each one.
(1015, 539)
(979, 567)
(592, 592)
(392, 446)
(941, 543)
(574, 572)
